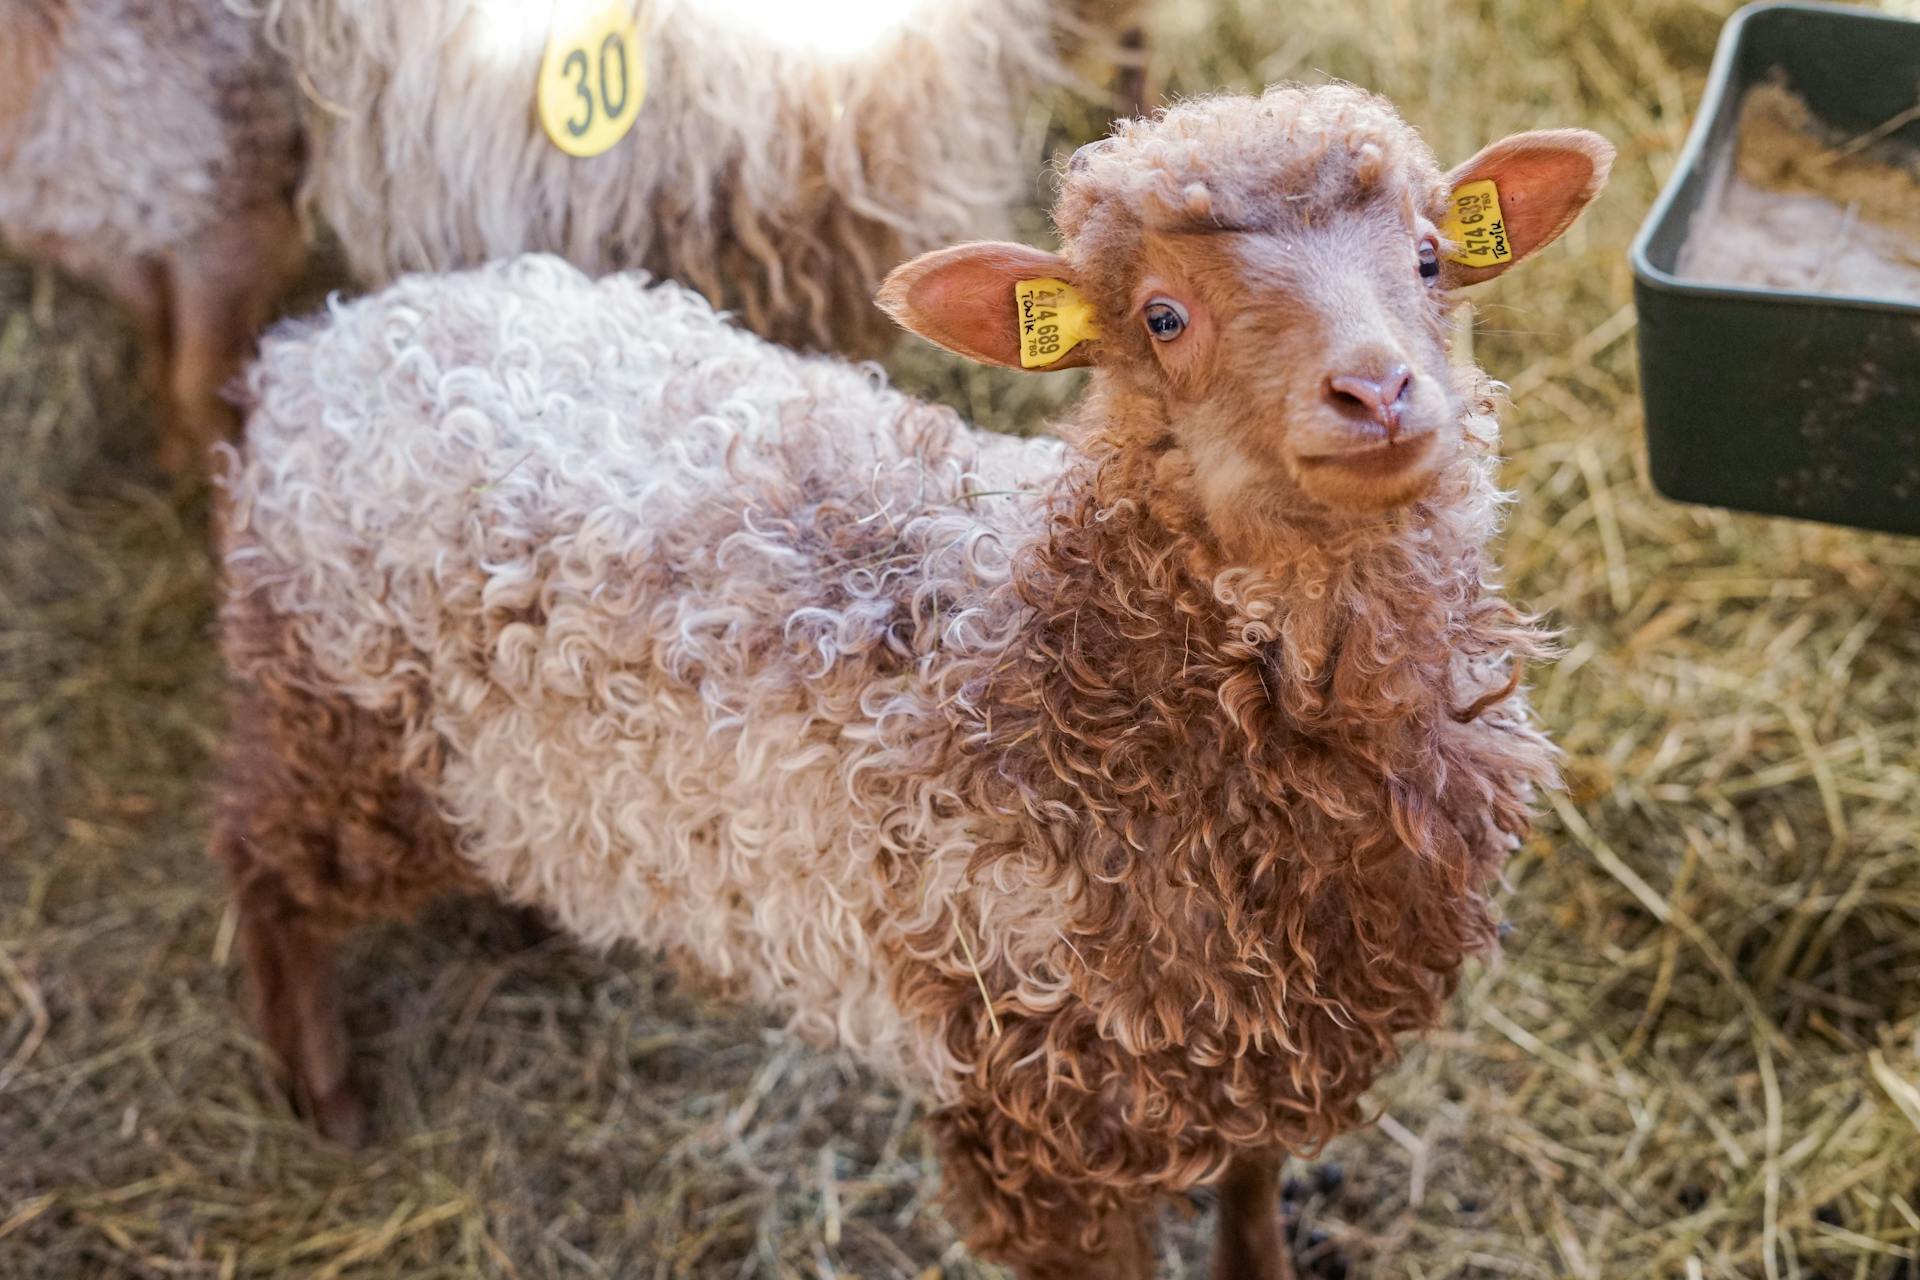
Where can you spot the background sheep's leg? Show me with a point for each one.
(222, 288)
(1250, 1237)
(140, 287)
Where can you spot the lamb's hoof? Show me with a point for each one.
(341, 1116)
(507, 927)
(1320, 1260)
(530, 927)
(1324, 1180)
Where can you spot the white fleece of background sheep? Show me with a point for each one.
(714, 733)
(426, 161)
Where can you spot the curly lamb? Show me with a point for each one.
(778, 179)
(1129, 797)
(152, 149)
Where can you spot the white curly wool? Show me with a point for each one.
(779, 179)
(586, 524)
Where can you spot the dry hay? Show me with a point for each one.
(1698, 1056)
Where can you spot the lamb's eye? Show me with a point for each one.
(1166, 319)
(1429, 260)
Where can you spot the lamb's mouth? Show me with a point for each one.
(1375, 458)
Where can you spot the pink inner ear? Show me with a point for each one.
(970, 311)
(962, 298)
(1541, 193)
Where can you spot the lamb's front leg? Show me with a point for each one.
(1250, 1234)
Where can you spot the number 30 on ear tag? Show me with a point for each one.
(593, 76)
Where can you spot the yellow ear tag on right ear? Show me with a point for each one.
(1475, 223)
(593, 76)
(1054, 319)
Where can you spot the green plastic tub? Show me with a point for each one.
(1785, 403)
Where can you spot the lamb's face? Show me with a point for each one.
(1270, 270)
(1303, 358)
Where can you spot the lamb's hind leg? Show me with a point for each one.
(295, 1001)
(319, 830)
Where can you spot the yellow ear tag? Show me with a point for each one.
(1475, 223)
(1054, 319)
(593, 76)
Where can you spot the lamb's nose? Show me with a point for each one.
(1378, 400)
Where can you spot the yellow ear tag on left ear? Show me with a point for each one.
(1054, 319)
(1475, 223)
(593, 76)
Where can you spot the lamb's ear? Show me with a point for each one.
(1517, 196)
(998, 303)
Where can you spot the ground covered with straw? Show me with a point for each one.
(1699, 1055)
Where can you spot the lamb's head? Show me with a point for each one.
(1269, 280)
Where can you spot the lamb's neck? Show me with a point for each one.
(1344, 628)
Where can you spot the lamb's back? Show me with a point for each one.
(522, 424)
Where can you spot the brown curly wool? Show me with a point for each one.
(1130, 801)
(151, 147)
(1277, 862)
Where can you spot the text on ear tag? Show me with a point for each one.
(1474, 222)
(1053, 319)
(593, 76)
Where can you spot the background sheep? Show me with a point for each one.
(774, 170)
(152, 149)
(1129, 801)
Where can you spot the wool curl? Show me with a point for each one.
(779, 182)
(1272, 801)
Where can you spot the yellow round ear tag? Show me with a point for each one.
(593, 76)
